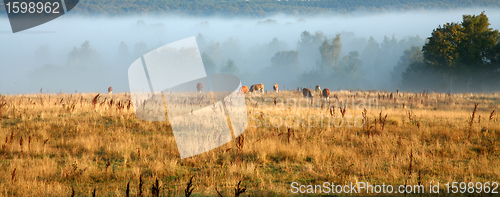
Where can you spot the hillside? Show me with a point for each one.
(263, 8)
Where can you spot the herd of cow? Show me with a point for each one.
(325, 93)
(306, 92)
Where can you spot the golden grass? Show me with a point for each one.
(53, 144)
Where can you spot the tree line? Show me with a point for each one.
(456, 57)
(263, 7)
(317, 59)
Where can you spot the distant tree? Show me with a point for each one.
(350, 65)
(123, 60)
(205, 24)
(265, 52)
(80, 53)
(284, 69)
(351, 42)
(229, 68)
(330, 53)
(408, 42)
(231, 48)
(311, 78)
(276, 45)
(349, 73)
(202, 43)
(43, 55)
(307, 47)
(123, 50)
(209, 64)
(413, 54)
(372, 51)
(418, 77)
(140, 49)
(387, 59)
(388, 48)
(84, 57)
(337, 49)
(214, 51)
(380, 59)
(286, 60)
(305, 40)
(140, 24)
(84, 64)
(268, 22)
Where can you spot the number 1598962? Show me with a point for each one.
(471, 187)
(32, 7)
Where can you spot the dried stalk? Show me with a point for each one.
(472, 120)
(189, 188)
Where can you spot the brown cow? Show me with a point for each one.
(244, 89)
(110, 90)
(199, 86)
(306, 92)
(326, 93)
(257, 87)
(275, 87)
(318, 88)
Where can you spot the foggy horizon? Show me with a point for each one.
(40, 57)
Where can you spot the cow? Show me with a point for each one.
(306, 92)
(318, 88)
(275, 87)
(199, 86)
(244, 89)
(110, 90)
(257, 87)
(326, 93)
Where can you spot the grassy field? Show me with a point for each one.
(80, 144)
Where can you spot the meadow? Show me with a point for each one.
(89, 145)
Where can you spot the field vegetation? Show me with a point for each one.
(90, 144)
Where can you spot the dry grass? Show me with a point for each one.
(84, 145)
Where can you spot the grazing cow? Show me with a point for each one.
(306, 92)
(257, 87)
(326, 93)
(199, 86)
(318, 88)
(110, 90)
(275, 87)
(244, 89)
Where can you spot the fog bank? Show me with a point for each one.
(56, 56)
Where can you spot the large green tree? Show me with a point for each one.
(465, 52)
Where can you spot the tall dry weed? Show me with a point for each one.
(472, 120)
